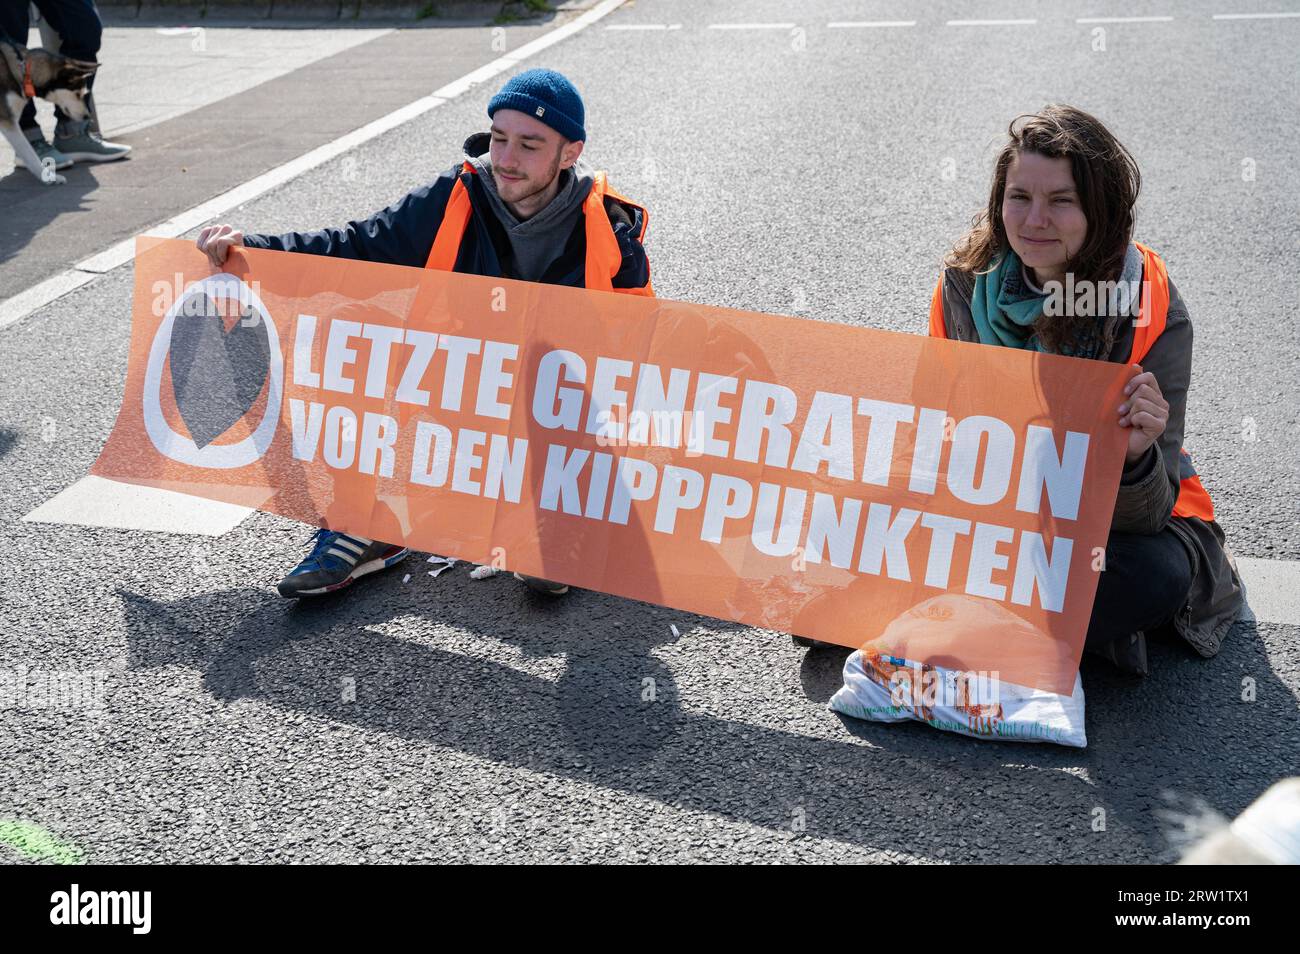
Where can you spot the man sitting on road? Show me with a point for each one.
(520, 206)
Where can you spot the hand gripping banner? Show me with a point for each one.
(796, 475)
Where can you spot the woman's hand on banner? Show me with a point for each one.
(216, 241)
(1145, 411)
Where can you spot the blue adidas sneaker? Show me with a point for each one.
(336, 559)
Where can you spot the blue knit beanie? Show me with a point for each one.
(545, 95)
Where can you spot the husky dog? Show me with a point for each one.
(27, 73)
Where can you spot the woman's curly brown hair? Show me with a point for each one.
(1107, 180)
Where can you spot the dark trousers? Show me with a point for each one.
(78, 25)
(1146, 581)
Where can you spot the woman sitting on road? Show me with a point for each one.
(1061, 204)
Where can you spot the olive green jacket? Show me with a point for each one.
(1148, 490)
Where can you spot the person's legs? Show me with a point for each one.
(80, 33)
(14, 23)
(1145, 582)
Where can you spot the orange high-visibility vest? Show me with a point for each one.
(604, 258)
(1153, 313)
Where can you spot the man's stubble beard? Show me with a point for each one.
(554, 171)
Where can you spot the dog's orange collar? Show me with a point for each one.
(29, 88)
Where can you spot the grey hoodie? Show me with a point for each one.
(538, 241)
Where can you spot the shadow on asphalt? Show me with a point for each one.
(30, 205)
(904, 787)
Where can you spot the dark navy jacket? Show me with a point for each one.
(403, 234)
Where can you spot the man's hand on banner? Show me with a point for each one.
(216, 241)
(1145, 411)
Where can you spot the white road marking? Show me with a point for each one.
(26, 302)
(991, 22)
(751, 26)
(1272, 589)
(1123, 20)
(96, 502)
(41, 294)
(644, 26)
(1257, 16)
(868, 24)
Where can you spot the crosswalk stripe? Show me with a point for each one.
(1272, 589)
(1123, 20)
(97, 502)
(868, 24)
(1280, 15)
(992, 22)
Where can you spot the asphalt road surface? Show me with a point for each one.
(794, 167)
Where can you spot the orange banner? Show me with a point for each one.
(795, 475)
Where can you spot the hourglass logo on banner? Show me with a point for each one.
(218, 372)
